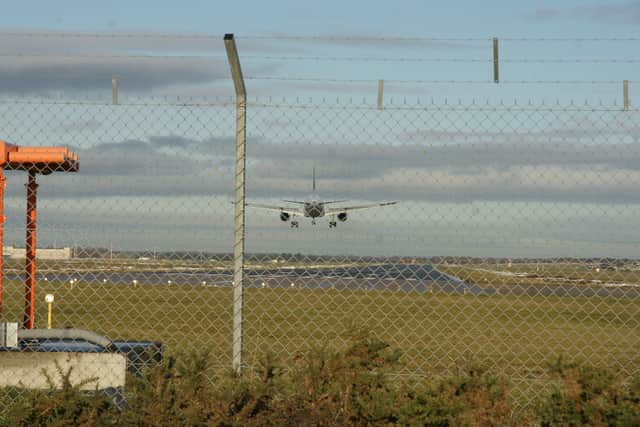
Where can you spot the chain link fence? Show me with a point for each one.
(513, 238)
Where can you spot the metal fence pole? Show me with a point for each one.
(380, 93)
(625, 94)
(238, 249)
(496, 61)
(114, 89)
(30, 255)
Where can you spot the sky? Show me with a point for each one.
(157, 170)
(406, 18)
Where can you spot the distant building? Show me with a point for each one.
(20, 253)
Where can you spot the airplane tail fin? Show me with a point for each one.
(314, 180)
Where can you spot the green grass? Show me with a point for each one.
(160, 264)
(512, 335)
(547, 274)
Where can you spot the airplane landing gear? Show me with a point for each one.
(333, 224)
(294, 224)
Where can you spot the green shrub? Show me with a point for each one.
(325, 388)
(172, 393)
(590, 396)
(66, 406)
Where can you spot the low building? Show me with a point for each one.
(41, 253)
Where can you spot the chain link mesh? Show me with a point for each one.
(513, 240)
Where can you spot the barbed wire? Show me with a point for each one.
(337, 103)
(130, 101)
(110, 56)
(193, 36)
(439, 39)
(61, 34)
(336, 58)
(449, 60)
(423, 81)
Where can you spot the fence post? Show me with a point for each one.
(238, 248)
(114, 89)
(625, 94)
(380, 93)
(496, 62)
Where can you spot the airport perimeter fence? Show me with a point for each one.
(513, 240)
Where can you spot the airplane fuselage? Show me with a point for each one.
(313, 209)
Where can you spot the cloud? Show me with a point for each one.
(517, 171)
(162, 165)
(440, 155)
(43, 74)
(38, 62)
(628, 13)
(166, 173)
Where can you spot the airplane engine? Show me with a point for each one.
(284, 216)
(342, 216)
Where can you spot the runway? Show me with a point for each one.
(380, 277)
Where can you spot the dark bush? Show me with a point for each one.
(69, 405)
(590, 396)
(353, 387)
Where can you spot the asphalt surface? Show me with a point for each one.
(383, 277)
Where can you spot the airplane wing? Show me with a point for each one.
(333, 211)
(285, 209)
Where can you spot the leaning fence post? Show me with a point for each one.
(238, 248)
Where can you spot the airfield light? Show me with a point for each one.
(49, 300)
(135, 283)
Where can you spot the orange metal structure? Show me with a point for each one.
(34, 160)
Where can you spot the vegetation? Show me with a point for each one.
(513, 335)
(352, 387)
(505, 274)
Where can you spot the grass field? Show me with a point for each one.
(516, 336)
(541, 274)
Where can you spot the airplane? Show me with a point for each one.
(315, 208)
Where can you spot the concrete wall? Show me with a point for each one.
(19, 253)
(26, 369)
